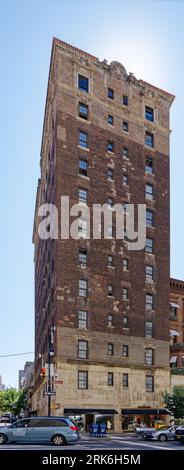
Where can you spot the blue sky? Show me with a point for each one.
(148, 38)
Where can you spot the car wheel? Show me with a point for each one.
(3, 439)
(58, 440)
(162, 438)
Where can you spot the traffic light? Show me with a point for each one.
(43, 372)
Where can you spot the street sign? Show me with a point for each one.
(49, 393)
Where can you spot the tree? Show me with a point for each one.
(175, 401)
(12, 400)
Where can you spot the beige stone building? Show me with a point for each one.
(106, 141)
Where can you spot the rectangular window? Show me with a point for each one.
(149, 191)
(82, 319)
(109, 202)
(82, 228)
(149, 383)
(82, 349)
(110, 320)
(149, 113)
(82, 379)
(125, 293)
(125, 126)
(149, 329)
(110, 119)
(149, 165)
(109, 231)
(125, 350)
(83, 167)
(125, 180)
(110, 93)
(83, 257)
(110, 379)
(110, 174)
(83, 288)
(83, 83)
(125, 206)
(83, 111)
(149, 245)
(110, 290)
(125, 152)
(83, 139)
(125, 380)
(149, 139)
(109, 261)
(110, 349)
(149, 356)
(125, 100)
(125, 264)
(110, 146)
(83, 194)
(125, 322)
(149, 218)
(149, 273)
(149, 302)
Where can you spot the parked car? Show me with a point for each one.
(139, 431)
(55, 430)
(162, 435)
(179, 434)
(5, 421)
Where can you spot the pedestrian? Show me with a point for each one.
(109, 425)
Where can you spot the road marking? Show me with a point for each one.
(147, 445)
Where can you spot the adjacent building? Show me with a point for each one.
(2, 386)
(106, 141)
(177, 324)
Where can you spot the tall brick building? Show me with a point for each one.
(105, 140)
(177, 324)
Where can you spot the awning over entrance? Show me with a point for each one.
(84, 411)
(173, 359)
(145, 411)
(174, 333)
(174, 305)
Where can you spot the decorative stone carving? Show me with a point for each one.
(118, 69)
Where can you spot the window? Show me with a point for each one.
(125, 293)
(125, 322)
(125, 180)
(83, 287)
(125, 206)
(110, 349)
(82, 349)
(125, 264)
(110, 174)
(125, 350)
(125, 380)
(83, 167)
(149, 113)
(149, 218)
(82, 228)
(149, 301)
(110, 119)
(125, 152)
(173, 313)
(110, 320)
(83, 194)
(149, 329)
(83, 111)
(110, 379)
(83, 139)
(110, 146)
(149, 165)
(109, 261)
(82, 379)
(149, 356)
(110, 202)
(83, 83)
(83, 257)
(149, 191)
(125, 100)
(125, 126)
(109, 231)
(110, 93)
(149, 245)
(149, 139)
(149, 383)
(149, 273)
(110, 290)
(82, 319)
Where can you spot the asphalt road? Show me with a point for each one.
(124, 441)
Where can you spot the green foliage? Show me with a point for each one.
(175, 401)
(12, 400)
